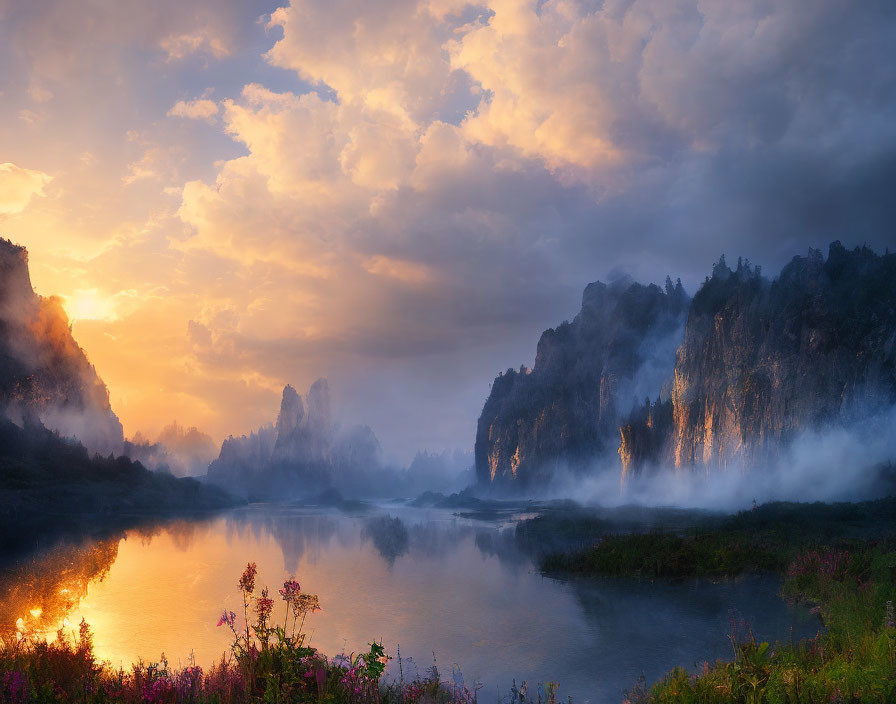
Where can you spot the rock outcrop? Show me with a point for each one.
(301, 455)
(567, 408)
(44, 375)
(757, 363)
(763, 360)
(302, 438)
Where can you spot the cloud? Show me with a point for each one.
(18, 186)
(145, 167)
(400, 196)
(38, 93)
(203, 41)
(202, 109)
(400, 269)
(386, 57)
(595, 90)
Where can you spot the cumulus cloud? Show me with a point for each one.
(387, 57)
(204, 40)
(18, 186)
(201, 109)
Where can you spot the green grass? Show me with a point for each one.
(764, 540)
(657, 554)
(852, 660)
(839, 557)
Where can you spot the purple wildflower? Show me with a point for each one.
(228, 618)
(290, 590)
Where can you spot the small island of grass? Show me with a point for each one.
(839, 557)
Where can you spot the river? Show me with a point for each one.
(457, 591)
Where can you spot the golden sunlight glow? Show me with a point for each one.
(89, 304)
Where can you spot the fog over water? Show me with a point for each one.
(425, 579)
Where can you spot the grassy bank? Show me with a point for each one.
(765, 539)
(841, 558)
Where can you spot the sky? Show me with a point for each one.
(400, 195)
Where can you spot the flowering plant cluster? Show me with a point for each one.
(831, 564)
(13, 688)
(268, 662)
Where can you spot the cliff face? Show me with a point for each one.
(761, 361)
(44, 374)
(644, 435)
(567, 408)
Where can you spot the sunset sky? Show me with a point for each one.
(399, 195)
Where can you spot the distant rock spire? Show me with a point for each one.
(292, 412)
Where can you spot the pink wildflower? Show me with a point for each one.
(264, 606)
(290, 590)
(247, 581)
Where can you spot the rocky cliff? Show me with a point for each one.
(44, 374)
(299, 456)
(762, 360)
(567, 408)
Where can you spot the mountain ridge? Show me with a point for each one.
(757, 362)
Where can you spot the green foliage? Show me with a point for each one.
(765, 539)
(375, 661)
(667, 555)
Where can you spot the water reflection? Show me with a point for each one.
(388, 535)
(421, 578)
(39, 593)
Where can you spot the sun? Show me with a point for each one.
(89, 304)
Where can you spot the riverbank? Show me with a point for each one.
(839, 557)
(51, 487)
(456, 586)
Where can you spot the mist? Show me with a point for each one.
(183, 452)
(310, 454)
(849, 462)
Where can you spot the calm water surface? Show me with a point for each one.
(430, 582)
